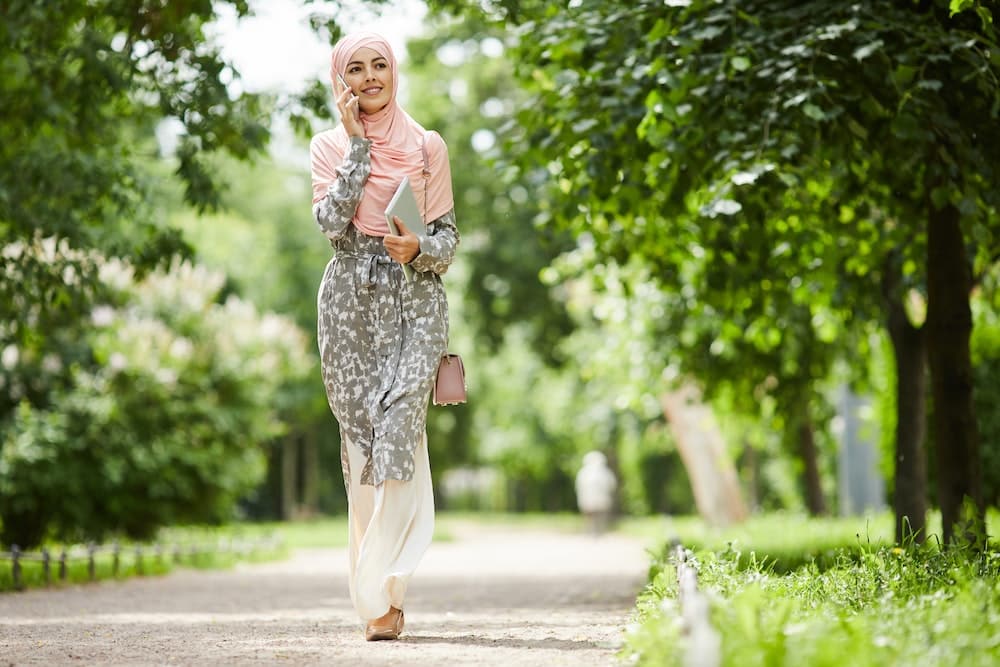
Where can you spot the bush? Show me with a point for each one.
(167, 423)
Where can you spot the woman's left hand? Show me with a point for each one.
(402, 248)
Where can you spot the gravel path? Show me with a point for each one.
(492, 596)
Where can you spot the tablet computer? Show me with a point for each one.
(404, 206)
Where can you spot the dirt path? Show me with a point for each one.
(492, 596)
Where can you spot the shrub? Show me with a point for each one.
(166, 423)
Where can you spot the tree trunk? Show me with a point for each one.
(949, 328)
(751, 472)
(289, 477)
(909, 349)
(815, 501)
(310, 474)
(713, 478)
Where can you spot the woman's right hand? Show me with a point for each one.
(350, 115)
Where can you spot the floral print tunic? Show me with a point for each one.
(380, 337)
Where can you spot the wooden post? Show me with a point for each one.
(63, 572)
(116, 551)
(138, 560)
(91, 565)
(15, 554)
(45, 567)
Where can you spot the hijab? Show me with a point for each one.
(396, 149)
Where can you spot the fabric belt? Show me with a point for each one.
(367, 266)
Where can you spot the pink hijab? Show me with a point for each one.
(395, 151)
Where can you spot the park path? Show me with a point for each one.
(491, 596)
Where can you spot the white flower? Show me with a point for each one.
(117, 362)
(52, 363)
(102, 316)
(13, 250)
(10, 357)
(167, 377)
(181, 348)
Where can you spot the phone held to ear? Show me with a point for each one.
(342, 82)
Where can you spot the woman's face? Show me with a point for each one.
(370, 77)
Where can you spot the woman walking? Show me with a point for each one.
(381, 336)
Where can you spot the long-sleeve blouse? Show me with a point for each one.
(381, 337)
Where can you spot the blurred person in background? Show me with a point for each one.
(595, 491)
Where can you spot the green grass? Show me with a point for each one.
(784, 593)
(197, 547)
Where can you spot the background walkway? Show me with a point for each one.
(492, 596)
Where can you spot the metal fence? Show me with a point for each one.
(142, 555)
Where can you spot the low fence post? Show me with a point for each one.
(704, 646)
(15, 554)
(198, 556)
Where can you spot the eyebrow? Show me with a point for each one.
(361, 62)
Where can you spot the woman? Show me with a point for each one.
(381, 336)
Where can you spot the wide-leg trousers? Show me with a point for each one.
(390, 527)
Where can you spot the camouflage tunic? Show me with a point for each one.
(380, 337)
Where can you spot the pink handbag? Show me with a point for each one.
(449, 386)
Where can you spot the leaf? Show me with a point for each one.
(725, 207)
(796, 100)
(864, 51)
(958, 6)
(740, 63)
(985, 15)
(857, 129)
(707, 34)
(940, 196)
(813, 111)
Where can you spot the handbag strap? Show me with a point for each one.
(427, 171)
(427, 175)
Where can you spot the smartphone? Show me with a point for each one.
(342, 82)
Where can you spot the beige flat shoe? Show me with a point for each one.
(388, 626)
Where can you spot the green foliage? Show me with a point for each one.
(869, 605)
(83, 86)
(773, 166)
(986, 357)
(164, 422)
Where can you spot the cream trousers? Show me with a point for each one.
(390, 527)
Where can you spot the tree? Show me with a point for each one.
(880, 118)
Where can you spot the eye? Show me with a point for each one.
(353, 69)
(382, 65)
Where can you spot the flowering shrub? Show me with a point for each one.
(165, 422)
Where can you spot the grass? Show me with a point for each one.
(787, 591)
(195, 547)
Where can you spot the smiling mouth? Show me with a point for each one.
(371, 91)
